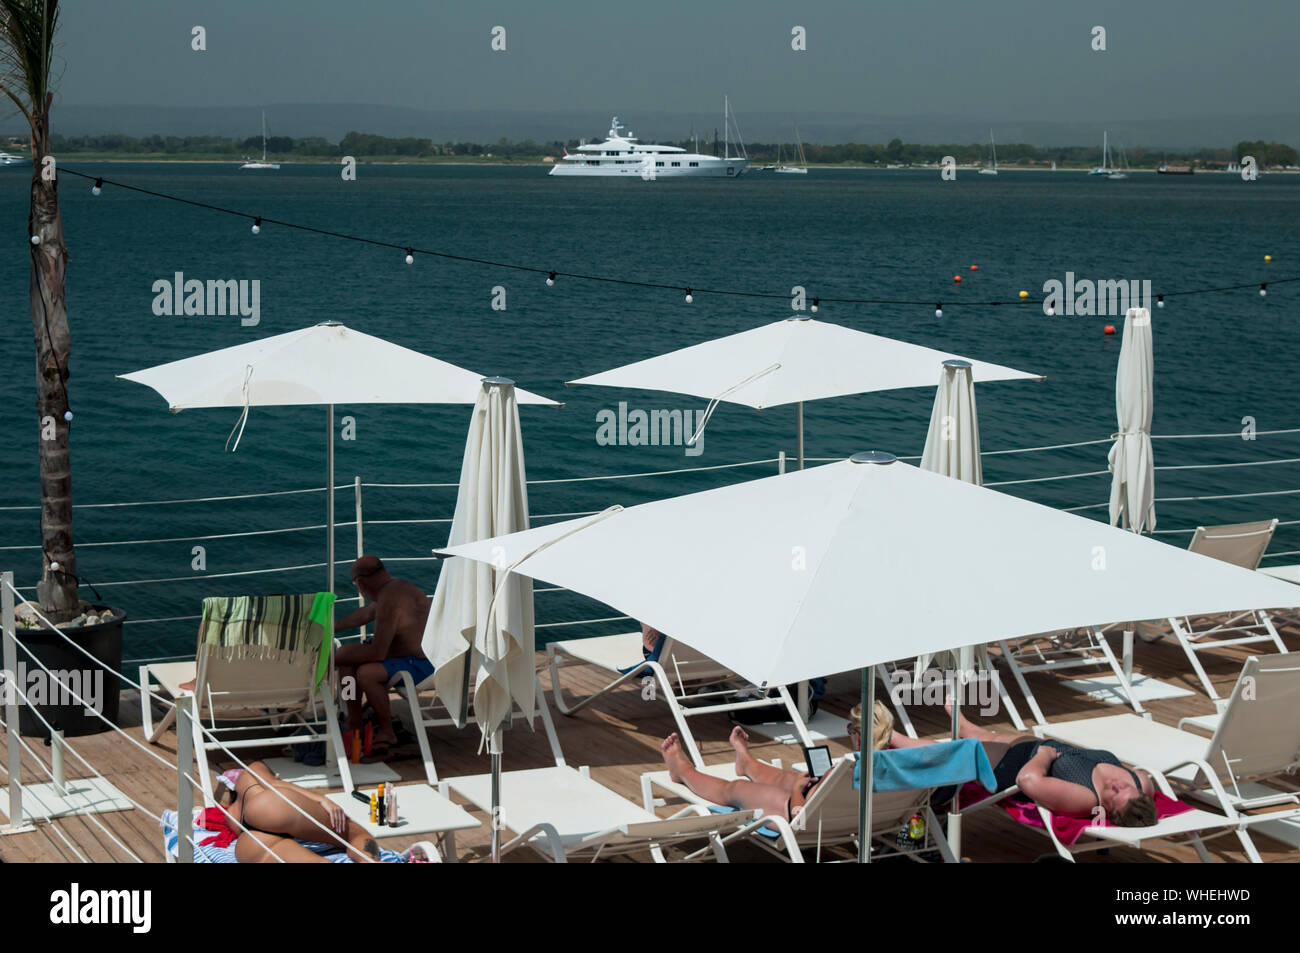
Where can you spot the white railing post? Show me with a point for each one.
(361, 539)
(780, 462)
(184, 789)
(11, 702)
(56, 763)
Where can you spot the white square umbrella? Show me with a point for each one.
(1133, 487)
(327, 363)
(789, 362)
(481, 620)
(859, 562)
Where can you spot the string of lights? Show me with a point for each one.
(411, 251)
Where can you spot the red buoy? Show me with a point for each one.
(974, 267)
(1110, 329)
(957, 278)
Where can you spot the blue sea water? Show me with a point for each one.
(875, 234)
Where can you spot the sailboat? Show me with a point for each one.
(802, 167)
(1116, 173)
(993, 151)
(263, 164)
(1104, 168)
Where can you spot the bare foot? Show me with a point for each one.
(740, 741)
(674, 758)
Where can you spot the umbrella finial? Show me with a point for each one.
(494, 381)
(956, 362)
(873, 456)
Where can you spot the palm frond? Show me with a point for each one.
(27, 29)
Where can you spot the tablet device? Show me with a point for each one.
(818, 759)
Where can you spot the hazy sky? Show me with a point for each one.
(1018, 59)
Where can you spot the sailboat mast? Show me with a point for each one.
(263, 135)
(726, 127)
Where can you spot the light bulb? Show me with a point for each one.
(1051, 309)
(1263, 290)
(410, 257)
(816, 301)
(54, 567)
(257, 226)
(550, 279)
(36, 239)
(97, 187)
(67, 415)
(1160, 301)
(689, 297)
(938, 311)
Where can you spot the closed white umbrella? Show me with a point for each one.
(952, 448)
(789, 362)
(859, 562)
(1133, 486)
(328, 363)
(480, 626)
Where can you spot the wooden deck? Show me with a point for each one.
(618, 738)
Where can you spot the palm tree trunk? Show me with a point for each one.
(58, 587)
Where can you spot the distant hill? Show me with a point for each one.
(333, 121)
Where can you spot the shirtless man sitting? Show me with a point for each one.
(398, 610)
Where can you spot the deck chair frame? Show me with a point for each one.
(1241, 544)
(1079, 648)
(983, 666)
(679, 669)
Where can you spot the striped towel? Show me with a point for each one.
(272, 628)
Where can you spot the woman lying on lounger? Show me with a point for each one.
(758, 786)
(252, 806)
(1066, 780)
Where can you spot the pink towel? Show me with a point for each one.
(1067, 829)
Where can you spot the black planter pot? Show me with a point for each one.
(95, 683)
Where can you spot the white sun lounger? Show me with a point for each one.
(1241, 544)
(1257, 739)
(565, 815)
(829, 817)
(1192, 827)
(677, 675)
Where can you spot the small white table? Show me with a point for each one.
(420, 810)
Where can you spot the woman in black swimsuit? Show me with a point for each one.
(1066, 780)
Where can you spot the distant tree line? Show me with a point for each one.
(363, 145)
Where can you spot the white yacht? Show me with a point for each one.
(8, 158)
(263, 164)
(622, 154)
(1105, 167)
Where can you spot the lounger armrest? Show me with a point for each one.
(997, 798)
(543, 831)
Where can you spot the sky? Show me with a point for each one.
(1020, 60)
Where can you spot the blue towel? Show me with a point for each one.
(930, 766)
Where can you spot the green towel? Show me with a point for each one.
(273, 628)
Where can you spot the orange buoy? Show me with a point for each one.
(957, 278)
(1110, 329)
(974, 267)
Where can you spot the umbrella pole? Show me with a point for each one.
(866, 729)
(495, 750)
(799, 430)
(954, 812)
(329, 501)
